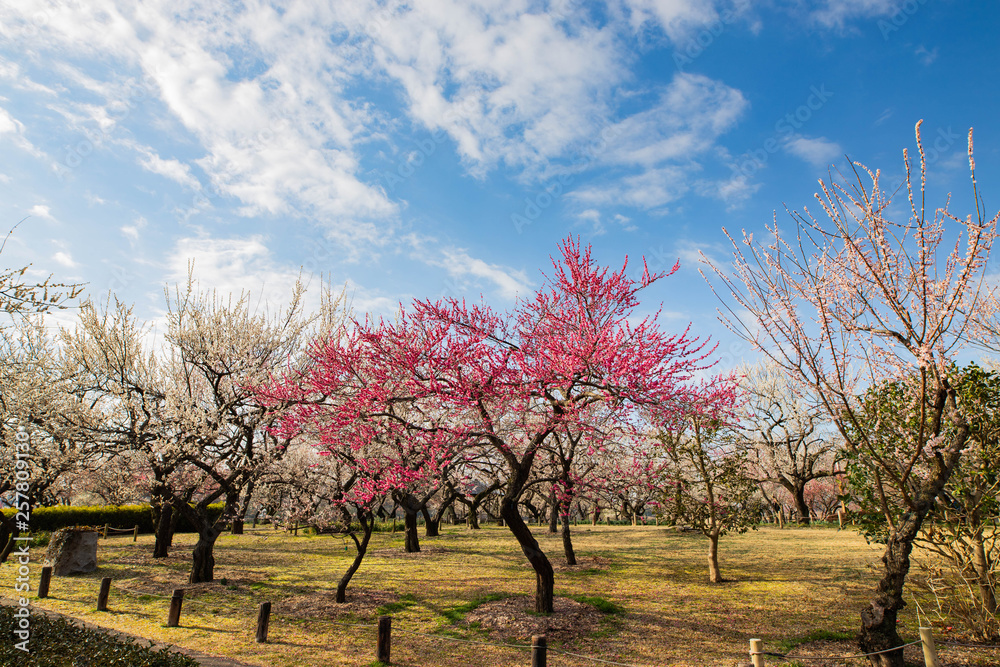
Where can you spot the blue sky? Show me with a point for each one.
(443, 148)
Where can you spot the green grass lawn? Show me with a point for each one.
(784, 586)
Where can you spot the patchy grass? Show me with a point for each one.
(457, 614)
(390, 608)
(790, 643)
(599, 603)
(651, 583)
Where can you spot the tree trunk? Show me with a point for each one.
(242, 508)
(567, 540)
(544, 576)
(878, 621)
(987, 590)
(554, 511)
(801, 508)
(10, 531)
(411, 540)
(714, 576)
(164, 531)
(203, 560)
(367, 525)
(432, 524)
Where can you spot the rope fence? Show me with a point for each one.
(539, 646)
(108, 529)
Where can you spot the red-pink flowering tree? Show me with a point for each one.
(445, 375)
(862, 299)
(353, 403)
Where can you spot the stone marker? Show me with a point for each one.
(72, 551)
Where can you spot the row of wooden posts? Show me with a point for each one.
(135, 532)
(383, 647)
(757, 652)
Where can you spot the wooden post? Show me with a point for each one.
(174, 615)
(43, 584)
(263, 617)
(135, 533)
(105, 532)
(295, 530)
(756, 648)
(538, 650)
(102, 596)
(382, 653)
(930, 651)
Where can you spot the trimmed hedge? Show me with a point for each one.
(116, 516)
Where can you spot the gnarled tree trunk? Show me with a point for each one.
(544, 575)
(165, 522)
(367, 525)
(203, 559)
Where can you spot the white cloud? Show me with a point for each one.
(926, 56)
(132, 232)
(170, 168)
(233, 266)
(837, 13)
(734, 190)
(508, 85)
(65, 259)
(272, 100)
(819, 152)
(691, 113)
(650, 189)
(13, 129)
(466, 272)
(261, 91)
(40, 211)
(462, 266)
(598, 221)
(677, 18)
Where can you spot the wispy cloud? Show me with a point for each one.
(837, 13)
(65, 259)
(925, 55)
(233, 266)
(41, 211)
(819, 151)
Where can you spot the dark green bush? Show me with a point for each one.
(56, 642)
(116, 516)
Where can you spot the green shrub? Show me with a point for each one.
(51, 519)
(56, 642)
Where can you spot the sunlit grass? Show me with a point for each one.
(783, 585)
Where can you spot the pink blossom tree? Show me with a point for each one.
(446, 375)
(861, 299)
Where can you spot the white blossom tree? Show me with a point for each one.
(874, 294)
